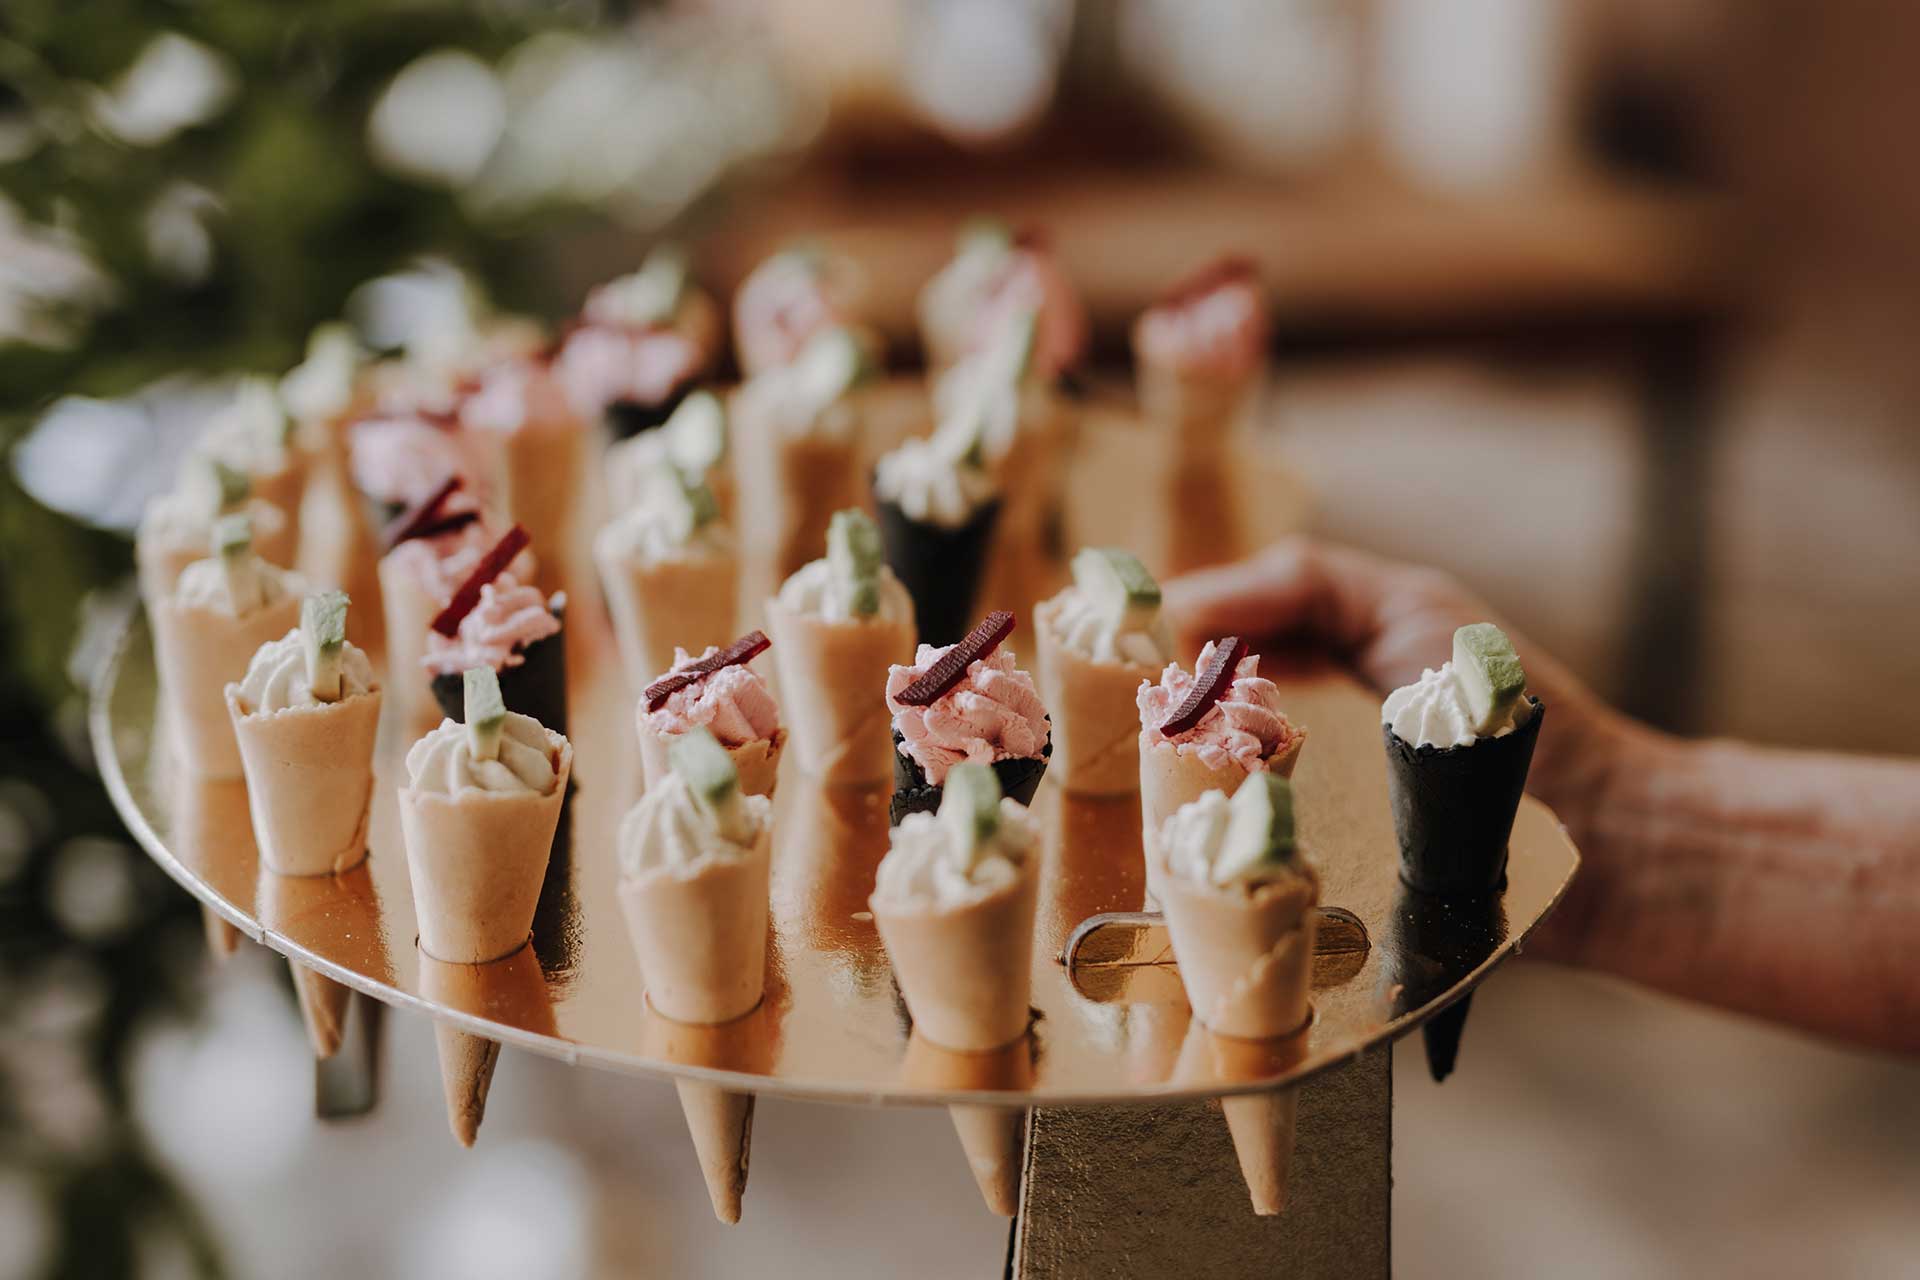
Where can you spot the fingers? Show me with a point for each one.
(1297, 589)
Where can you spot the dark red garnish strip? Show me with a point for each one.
(1209, 686)
(413, 523)
(745, 649)
(951, 668)
(453, 523)
(1230, 269)
(447, 621)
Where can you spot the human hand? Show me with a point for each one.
(1388, 621)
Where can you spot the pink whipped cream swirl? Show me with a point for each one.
(1034, 279)
(515, 395)
(510, 616)
(601, 364)
(734, 703)
(1245, 726)
(1216, 326)
(440, 564)
(994, 713)
(404, 460)
(780, 307)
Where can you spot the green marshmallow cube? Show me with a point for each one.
(970, 811)
(1119, 586)
(704, 765)
(485, 711)
(1491, 677)
(1259, 833)
(834, 363)
(697, 433)
(323, 639)
(233, 545)
(854, 557)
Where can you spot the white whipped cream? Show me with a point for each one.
(184, 518)
(922, 869)
(203, 585)
(977, 396)
(1192, 839)
(276, 678)
(1085, 629)
(1432, 712)
(649, 534)
(668, 832)
(931, 482)
(320, 388)
(781, 399)
(442, 763)
(249, 432)
(809, 590)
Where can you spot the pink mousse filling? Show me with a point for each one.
(779, 312)
(1033, 279)
(600, 365)
(734, 703)
(516, 395)
(994, 713)
(1246, 726)
(438, 565)
(510, 616)
(1222, 332)
(404, 460)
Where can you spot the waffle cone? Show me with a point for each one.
(1170, 778)
(1096, 725)
(719, 1120)
(1245, 955)
(198, 651)
(1261, 1124)
(476, 861)
(542, 473)
(758, 762)
(966, 973)
(685, 602)
(701, 939)
(323, 1008)
(408, 611)
(285, 488)
(510, 990)
(833, 690)
(1201, 409)
(790, 486)
(160, 563)
(466, 1075)
(993, 1138)
(309, 776)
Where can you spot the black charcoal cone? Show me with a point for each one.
(912, 793)
(1453, 807)
(1441, 1036)
(537, 687)
(629, 418)
(941, 568)
(1435, 944)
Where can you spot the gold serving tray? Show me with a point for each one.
(1110, 1030)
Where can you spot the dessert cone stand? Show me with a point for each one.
(1125, 1137)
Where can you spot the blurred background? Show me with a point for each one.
(1604, 305)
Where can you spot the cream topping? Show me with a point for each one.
(1432, 712)
(923, 869)
(250, 432)
(321, 387)
(404, 460)
(932, 482)
(993, 713)
(649, 534)
(442, 763)
(809, 590)
(513, 396)
(1192, 837)
(1084, 628)
(184, 518)
(203, 585)
(602, 366)
(1246, 725)
(511, 615)
(783, 399)
(276, 678)
(669, 832)
(1223, 332)
(734, 704)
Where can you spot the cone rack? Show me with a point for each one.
(1111, 1030)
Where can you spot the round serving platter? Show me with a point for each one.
(1112, 1028)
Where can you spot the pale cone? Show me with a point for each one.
(833, 689)
(323, 1007)
(309, 780)
(511, 990)
(222, 938)
(476, 861)
(542, 470)
(966, 972)
(758, 762)
(1096, 725)
(213, 836)
(719, 1120)
(993, 1138)
(198, 651)
(1261, 1124)
(160, 563)
(409, 611)
(1245, 955)
(285, 488)
(685, 602)
(1201, 408)
(701, 939)
(790, 486)
(1029, 474)
(1170, 778)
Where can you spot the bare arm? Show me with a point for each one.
(1783, 884)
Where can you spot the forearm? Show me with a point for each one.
(1782, 884)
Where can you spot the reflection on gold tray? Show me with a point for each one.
(833, 1026)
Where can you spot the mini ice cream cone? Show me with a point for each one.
(309, 776)
(701, 939)
(160, 561)
(543, 471)
(832, 686)
(199, 651)
(323, 1008)
(334, 916)
(1096, 726)
(686, 602)
(1245, 953)
(758, 761)
(408, 610)
(510, 990)
(1200, 408)
(720, 1120)
(1261, 1124)
(966, 971)
(476, 861)
(222, 938)
(993, 1138)
(809, 480)
(1170, 778)
(286, 488)
(1025, 561)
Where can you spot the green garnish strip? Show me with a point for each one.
(970, 812)
(486, 712)
(323, 637)
(713, 781)
(239, 566)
